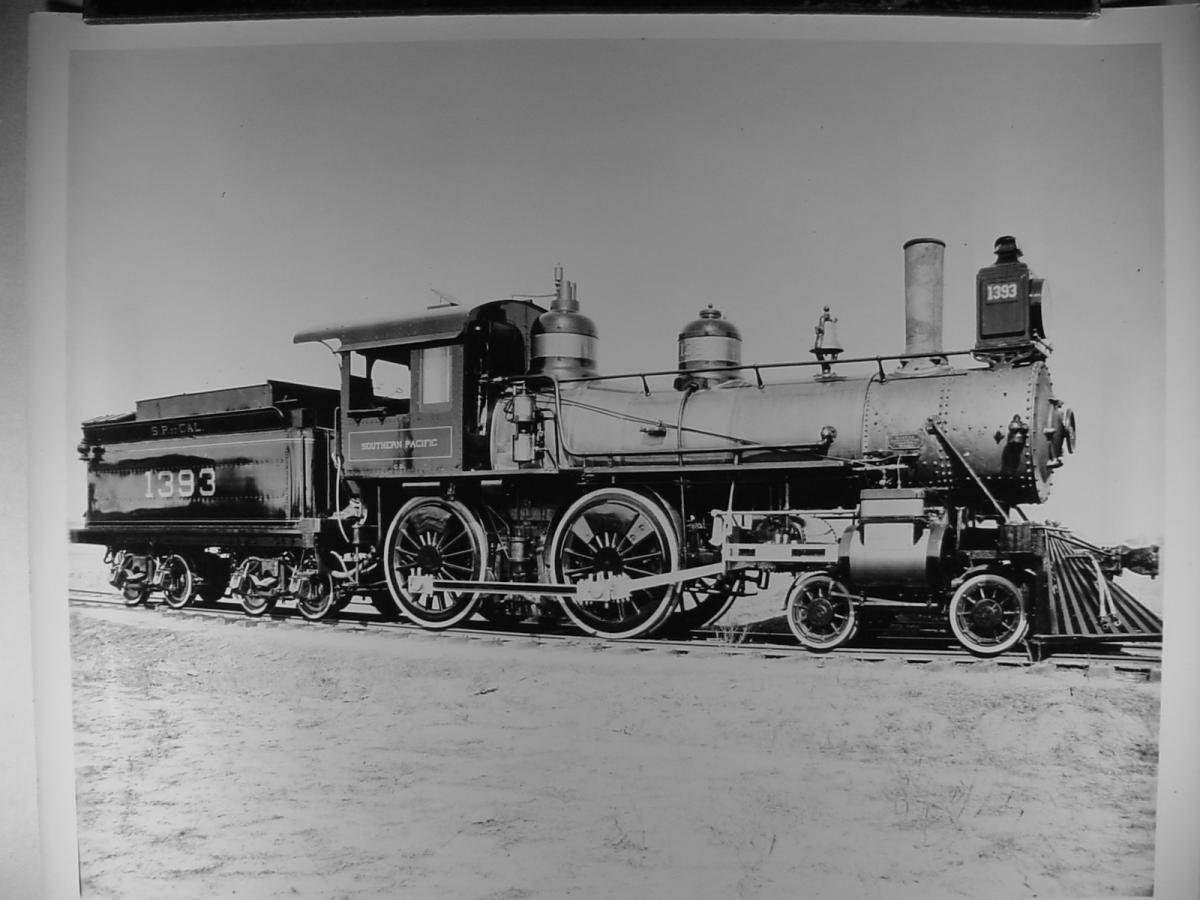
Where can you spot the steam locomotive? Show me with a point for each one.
(475, 462)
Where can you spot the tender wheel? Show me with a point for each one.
(257, 605)
(134, 594)
(443, 538)
(135, 581)
(254, 601)
(987, 615)
(615, 531)
(820, 612)
(701, 603)
(318, 598)
(177, 582)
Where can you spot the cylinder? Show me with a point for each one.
(923, 276)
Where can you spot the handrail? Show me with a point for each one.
(757, 368)
(241, 413)
(740, 444)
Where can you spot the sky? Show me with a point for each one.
(220, 199)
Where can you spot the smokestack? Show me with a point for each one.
(923, 276)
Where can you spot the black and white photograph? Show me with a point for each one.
(515, 458)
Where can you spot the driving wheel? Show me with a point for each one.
(438, 537)
(616, 531)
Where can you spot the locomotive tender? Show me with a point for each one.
(475, 461)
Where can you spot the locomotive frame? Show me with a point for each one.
(511, 479)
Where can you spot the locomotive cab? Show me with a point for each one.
(416, 392)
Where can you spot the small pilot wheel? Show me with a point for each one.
(616, 531)
(442, 538)
(820, 612)
(987, 615)
(178, 583)
(701, 602)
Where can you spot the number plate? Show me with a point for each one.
(183, 483)
(908, 441)
(1001, 291)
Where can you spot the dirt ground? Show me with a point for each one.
(291, 760)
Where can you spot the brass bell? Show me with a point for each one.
(827, 343)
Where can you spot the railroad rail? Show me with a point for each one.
(1134, 661)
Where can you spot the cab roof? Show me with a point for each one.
(436, 326)
(426, 328)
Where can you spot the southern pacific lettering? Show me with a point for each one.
(406, 444)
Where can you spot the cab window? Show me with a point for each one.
(435, 375)
(379, 382)
(389, 381)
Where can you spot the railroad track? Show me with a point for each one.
(1139, 662)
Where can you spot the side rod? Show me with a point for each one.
(599, 588)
